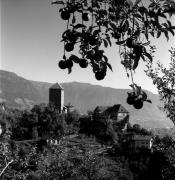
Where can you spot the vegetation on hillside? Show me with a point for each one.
(81, 152)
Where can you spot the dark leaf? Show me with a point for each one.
(137, 32)
(61, 9)
(148, 56)
(74, 58)
(128, 75)
(69, 70)
(138, 16)
(169, 23)
(151, 5)
(64, 57)
(146, 35)
(125, 26)
(152, 33)
(113, 26)
(105, 43)
(165, 25)
(143, 10)
(57, 2)
(79, 26)
(96, 32)
(73, 19)
(65, 32)
(166, 35)
(142, 57)
(158, 34)
(105, 58)
(136, 61)
(146, 44)
(162, 15)
(149, 101)
(109, 66)
(132, 86)
(109, 41)
(120, 42)
(171, 31)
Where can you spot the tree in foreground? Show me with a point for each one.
(164, 79)
(94, 25)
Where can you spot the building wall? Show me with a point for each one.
(56, 97)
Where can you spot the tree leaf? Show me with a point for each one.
(125, 26)
(169, 23)
(166, 35)
(74, 58)
(171, 31)
(158, 34)
(97, 31)
(149, 101)
(73, 19)
(109, 41)
(148, 56)
(143, 10)
(79, 26)
(114, 27)
(120, 42)
(109, 66)
(136, 61)
(142, 57)
(105, 58)
(105, 43)
(69, 70)
(57, 2)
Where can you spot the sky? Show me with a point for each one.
(30, 37)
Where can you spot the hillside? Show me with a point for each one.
(21, 93)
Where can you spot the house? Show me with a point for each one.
(140, 141)
(116, 112)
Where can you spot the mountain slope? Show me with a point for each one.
(21, 93)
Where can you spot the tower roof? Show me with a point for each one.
(56, 86)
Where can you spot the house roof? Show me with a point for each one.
(110, 109)
(142, 138)
(56, 86)
(116, 108)
(101, 109)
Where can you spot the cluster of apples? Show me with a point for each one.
(68, 63)
(100, 74)
(138, 49)
(67, 11)
(136, 100)
(89, 39)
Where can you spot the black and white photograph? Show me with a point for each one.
(87, 90)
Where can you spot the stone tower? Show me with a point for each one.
(56, 96)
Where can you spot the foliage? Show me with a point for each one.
(72, 122)
(163, 78)
(80, 162)
(93, 25)
(100, 126)
(162, 162)
(41, 121)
